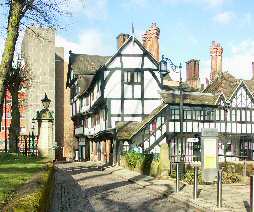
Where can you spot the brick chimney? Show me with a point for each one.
(192, 73)
(121, 39)
(151, 41)
(216, 52)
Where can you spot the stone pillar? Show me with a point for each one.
(164, 160)
(103, 150)
(115, 151)
(108, 150)
(99, 150)
(94, 151)
(46, 144)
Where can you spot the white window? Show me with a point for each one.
(217, 115)
(238, 115)
(247, 115)
(243, 115)
(132, 77)
(233, 115)
(222, 115)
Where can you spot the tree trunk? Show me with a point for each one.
(15, 120)
(15, 15)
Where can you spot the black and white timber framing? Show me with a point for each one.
(235, 127)
(125, 88)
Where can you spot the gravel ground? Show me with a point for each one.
(84, 187)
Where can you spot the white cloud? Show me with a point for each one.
(224, 17)
(89, 41)
(215, 3)
(208, 3)
(238, 62)
(97, 10)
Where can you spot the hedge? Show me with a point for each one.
(143, 163)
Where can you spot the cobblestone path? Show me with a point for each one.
(84, 187)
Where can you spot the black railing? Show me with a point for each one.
(28, 145)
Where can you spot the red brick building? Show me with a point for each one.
(5, 124)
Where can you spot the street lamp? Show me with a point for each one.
(163, 68)
(46, 102)
(226, 108)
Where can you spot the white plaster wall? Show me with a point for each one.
(131, 48)
(151, 88)
(150, 105)
(137, 91)
(148, 63)
(116, 63)
(127, 91)
(132, 107)
(132, 62)
(114, 120)
(115, 106)
(132, 118)
(113, 86)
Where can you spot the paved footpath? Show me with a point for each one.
(84, 187)
(234, 196)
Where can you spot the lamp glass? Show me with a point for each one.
(46, 104)
(163, 67)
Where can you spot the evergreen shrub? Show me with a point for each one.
(141, 162)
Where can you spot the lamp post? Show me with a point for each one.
(163, 68)
(226, 108)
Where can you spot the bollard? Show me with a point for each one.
(195, 184)
(177, 177)
(251, 194)
(219, 189)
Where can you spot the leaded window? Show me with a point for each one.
(132, 76)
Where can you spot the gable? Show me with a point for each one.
(130, 56)
(132, 48)
(221, 100)
(242, 97)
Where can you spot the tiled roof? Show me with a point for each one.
(85, 64)
(195, 98)
(126, 130)
(225, 84)
(250, 85)
(84, 82)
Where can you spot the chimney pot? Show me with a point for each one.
(151, 41)
(121, 39)
(192, 73)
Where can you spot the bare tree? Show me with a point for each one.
(25, 13)
(18, 78)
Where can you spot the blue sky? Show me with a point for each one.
(187, 29)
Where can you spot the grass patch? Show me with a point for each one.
(15, 171)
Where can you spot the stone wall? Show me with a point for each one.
(38, 50)
(69, 139)
(49, 74)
